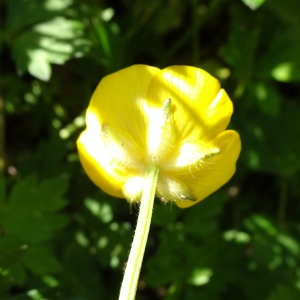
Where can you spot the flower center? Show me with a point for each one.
(160, 133)
(164, 149)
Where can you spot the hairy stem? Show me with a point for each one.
(133, 267)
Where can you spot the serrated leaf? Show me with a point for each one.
(11, 250)
(37, 12)
(46, 196)
(40, 260)
(53, 41)
(28, 214)
(39, 65)
(30, 226)
(41, 36)
(46, 164)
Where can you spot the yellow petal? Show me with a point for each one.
(133, 189)
(174, 118)
(97, 161)
(171, 189)
(188, 155)
(118, 106)
(120, 100)
(214, 172)
(122, 150)
(201, 110)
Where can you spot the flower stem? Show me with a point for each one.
(133, 267)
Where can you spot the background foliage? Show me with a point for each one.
(62, 238)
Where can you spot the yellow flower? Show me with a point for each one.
(174, 118)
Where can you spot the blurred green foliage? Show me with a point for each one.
(62, 238)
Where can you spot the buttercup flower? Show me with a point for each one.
(174, 118)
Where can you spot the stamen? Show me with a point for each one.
(160, 132)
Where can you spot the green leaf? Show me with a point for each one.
(102, 211)
(163, 215)
(284, 292)
(271, 246)
(49, 159)
(169, 261)
(265, 151)
(35, 12)
(40, 35)
(288, 13)
(266, 98)
(45, 196)
(168, 17)
(281, 60)
(29, 213)
(254, 4)
(17, 275)
(40, 260)
(54, 41)
(200, 276)
(11, 250)
(11, 271)
(240, 51)
(201, 221)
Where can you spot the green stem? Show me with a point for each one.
(133, 267)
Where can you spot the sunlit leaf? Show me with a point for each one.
(53, 41)
(254, 4)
